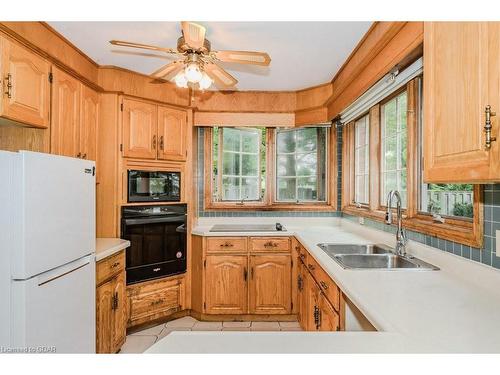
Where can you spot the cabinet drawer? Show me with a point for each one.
(268, 244)
(328, 287)
(110, 266)
(153, 300)
(226, 244)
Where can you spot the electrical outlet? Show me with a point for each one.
(497, 235)
(362, 221)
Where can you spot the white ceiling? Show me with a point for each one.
(303, 54)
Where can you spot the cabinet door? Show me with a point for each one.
(302, 308)
(139, 129)
(26, 90)
(65, 114)
(461, 77)
(119, 312)
(172, 134)
(89, 117)
(270, 284)
(311, 303)
(328, 317)
(104, 317)
(226, 284)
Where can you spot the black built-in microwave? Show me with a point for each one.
(154, 186)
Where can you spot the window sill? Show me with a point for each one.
(323, 207)
(466, 233)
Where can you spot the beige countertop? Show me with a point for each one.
(105, 247)
(455, 309)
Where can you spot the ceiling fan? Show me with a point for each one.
(197, 65)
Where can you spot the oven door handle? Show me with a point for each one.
(181, 228)
(154, 220)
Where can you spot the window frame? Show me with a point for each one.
(465, 231)
(269, 201)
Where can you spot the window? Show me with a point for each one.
(390, 137)
(266, 167)
(361, 160)
(237, 156)
(300, 165)
(394, 151)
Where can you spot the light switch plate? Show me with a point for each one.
(362, 221)
(497, 238)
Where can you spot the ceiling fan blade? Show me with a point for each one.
(169, 69)
(219, 75)
(194, 34)
(143, 46)
(243, 57)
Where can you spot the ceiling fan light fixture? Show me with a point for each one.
(193, 72)
(181, 80)
(205, 81)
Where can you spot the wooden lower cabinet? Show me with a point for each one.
(155, 299)
(226, 284)
(270, 284)
(328, 318)
(110, 305)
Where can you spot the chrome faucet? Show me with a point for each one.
(400, 233)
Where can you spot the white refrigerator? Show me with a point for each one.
(47, 253)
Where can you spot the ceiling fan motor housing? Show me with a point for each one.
(183, 47)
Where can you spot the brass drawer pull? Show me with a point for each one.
(302, 256)
(271, 244)
(488, 114)
(8, 78)
(324, 285)
(311, 267)
(115, 264)
(226, 244)
(157, 302)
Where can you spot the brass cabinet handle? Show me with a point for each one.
(487, 126)
(226, 244)
(300, 283)
(302, 256)
(115, 264)
(270, 244)
(154, 142)
(251, 273)
(84, 156)
(79, 155)
(324, 285)
(114, 301)
(157, 302)
(8, 78)
(161, 143)
(311, 267)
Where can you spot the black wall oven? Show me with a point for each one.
(158, 241)
(154, 186)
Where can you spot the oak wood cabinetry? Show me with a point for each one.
(462, 78)
(241, 276)
(155, 299)
(110, 303)
(25, 85)
(75, 116)
(151, 131)
(226, 284)
(319, 304)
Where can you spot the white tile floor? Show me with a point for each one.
(138, 342)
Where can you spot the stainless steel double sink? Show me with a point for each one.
(381, 257)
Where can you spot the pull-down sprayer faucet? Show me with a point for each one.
(400, 233)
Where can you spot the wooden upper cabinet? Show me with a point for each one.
(139, 129)
(226, 284)
(462, 70)
(171, 134)
(89, 118)
(65, 114)
(270, 284)
(25, 85)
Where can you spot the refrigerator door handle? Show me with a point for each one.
(80, 263)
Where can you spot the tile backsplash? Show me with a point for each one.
(485, 255)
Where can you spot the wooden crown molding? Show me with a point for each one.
(382, 47)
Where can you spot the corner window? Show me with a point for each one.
(394, 151)
(361, 160)
(237, 166)
(301, 165)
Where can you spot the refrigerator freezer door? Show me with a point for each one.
(57, 203)
(55, 311)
